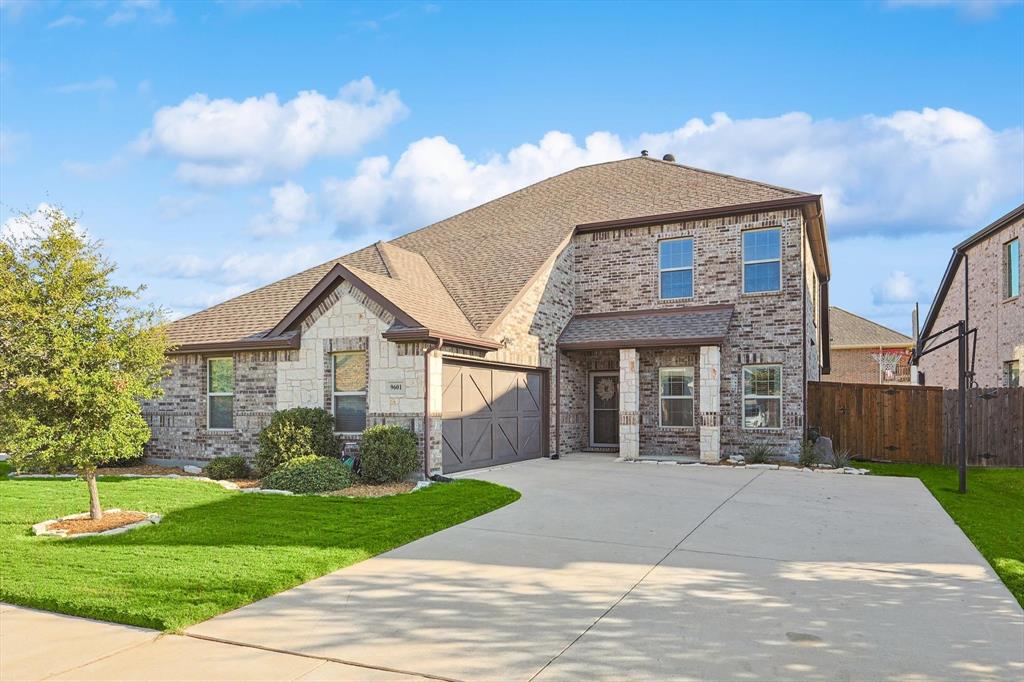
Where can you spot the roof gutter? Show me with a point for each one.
(276, 343)
(411, 334)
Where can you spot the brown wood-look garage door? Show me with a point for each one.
(491, 416)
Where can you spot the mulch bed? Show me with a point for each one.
(246, 482)
(143, 469)
(367, 490)
(109, 521)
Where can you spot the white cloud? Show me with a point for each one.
(66, 21)
(246, 267)
(291, 207)
(177, 207)
(104, 84)
(130, 11)
(933, 169)
(898, 287)
(26, 225)
(227, 142)
(972, 9)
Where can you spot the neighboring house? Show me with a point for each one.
(638, 305)
(991, 261)
(865, 352)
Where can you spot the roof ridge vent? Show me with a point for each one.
(669, 157)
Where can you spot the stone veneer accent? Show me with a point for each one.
(629, 403)
(709, 400)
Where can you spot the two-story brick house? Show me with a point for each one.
(990, 262)
(639, 305)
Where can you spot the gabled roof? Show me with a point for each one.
(461, 274)
(954, 262)
(847, 330)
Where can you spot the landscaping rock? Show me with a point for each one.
(189, 469)
(265, 492)
(762, 466)
(823, 449)
(736, 459)
(823, 466)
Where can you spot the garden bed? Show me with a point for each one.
(378, 490)
(80, 525)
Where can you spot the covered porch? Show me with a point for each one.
(642, 384)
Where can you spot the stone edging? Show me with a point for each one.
(41, 528)
(818, 468)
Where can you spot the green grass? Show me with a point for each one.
(991, 514)
(215, 550)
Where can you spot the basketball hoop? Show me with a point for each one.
(888, 363)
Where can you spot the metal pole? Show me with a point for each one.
(962, 403)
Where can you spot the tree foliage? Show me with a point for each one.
(76, 354)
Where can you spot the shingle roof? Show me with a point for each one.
(662, 327)
(483, 257)
(848, 329)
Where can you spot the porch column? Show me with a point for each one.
(629, 404)
(710, 388)
(433, 391)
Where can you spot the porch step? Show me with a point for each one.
(602, 451)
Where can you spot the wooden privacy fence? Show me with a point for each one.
(919, 423)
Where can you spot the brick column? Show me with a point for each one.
(710, 389)
(434, 408)
(629, 403)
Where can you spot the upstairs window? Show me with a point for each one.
(220, 394)
(762, 263)
(1011, 269)
(349, 389)
(675, 264)
(676, 396)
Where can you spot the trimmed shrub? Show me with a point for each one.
(309, 474)
(758, 454)
(298, 432)
(808, 457)
(387, 453)
(224, 468)
(125, 461)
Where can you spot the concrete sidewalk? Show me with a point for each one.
(38, 645)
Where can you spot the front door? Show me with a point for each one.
(604, 409)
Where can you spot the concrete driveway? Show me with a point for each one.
(608, 570)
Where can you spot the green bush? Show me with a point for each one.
(298, 432)
(808, 457)
(223, 468)
(309, 474)
(387, 453)
(758, 454)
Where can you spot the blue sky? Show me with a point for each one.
(215, 147)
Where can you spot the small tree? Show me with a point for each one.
(76, 355)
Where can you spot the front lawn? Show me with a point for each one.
(991, 514)
(215, 550)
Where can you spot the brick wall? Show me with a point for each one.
(177, 419)
(1000, 322)
(661, 440)
(617, 270)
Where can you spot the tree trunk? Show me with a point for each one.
(95, 510)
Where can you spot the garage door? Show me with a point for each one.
(491, 416)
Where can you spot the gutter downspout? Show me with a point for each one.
(426, 406)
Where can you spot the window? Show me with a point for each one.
(675, 265)
(1011, 373)
(1011, 269)
(761, 261)
(350, 391)
(220, 393)
(762, 397)
(676, 396)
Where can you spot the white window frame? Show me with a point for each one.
(690, 267)
(744, 397)
(210, 394)
(1007, 272)
(335, 394)
(745, 262)
(661, 396)
(1008, 366)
